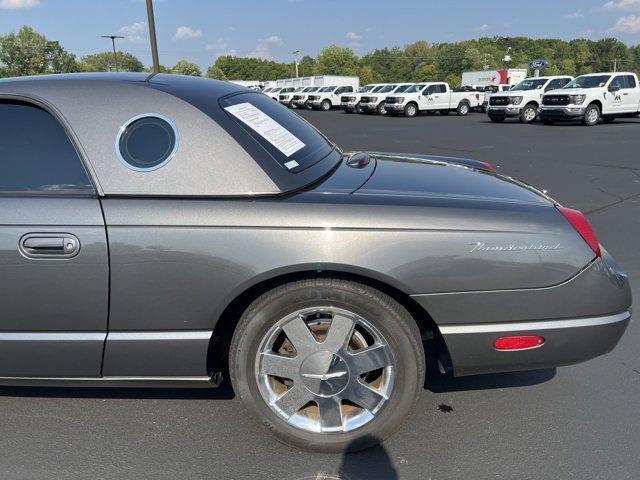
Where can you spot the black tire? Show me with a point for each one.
(608, 119)
(547, 121)
(325, 105)
(391, 319)
(381, 109)
(497, 119)
(411, 110)
(463, 109)
(359, 108)
(591, 115)
(528, 113)
(445, 111)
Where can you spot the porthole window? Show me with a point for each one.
(147, 142)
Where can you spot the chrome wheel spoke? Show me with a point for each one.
(363, 395)
(330, 413)
(279, 366)
(370, 359)
(291, 401)
(299, 334)
(339, 333)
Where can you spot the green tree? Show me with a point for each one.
(426, 72)
(29, 53)
(185, 67)
(104, 62)
(216, 72)
(366, 75)
(335, 60)
(306, 65)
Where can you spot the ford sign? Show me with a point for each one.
(538, 64)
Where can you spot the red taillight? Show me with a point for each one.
(580, 223)
(517, 342)
(487, 164)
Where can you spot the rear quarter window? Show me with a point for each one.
(290, 140)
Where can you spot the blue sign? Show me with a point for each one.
(538, 64)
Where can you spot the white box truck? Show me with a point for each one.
(505, 76)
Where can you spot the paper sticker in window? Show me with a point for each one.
(267, 127)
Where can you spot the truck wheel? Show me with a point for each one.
(382, 109)
(463, 109)
(444, 111)
(591, 115)
(358, 108)
(497, 119)
(411, 110)
(529, 113)
(608, 118)
(325, 105)
(327, 364)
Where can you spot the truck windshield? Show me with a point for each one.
(313, 89)
(531, 84)
(327, 89)
(415, 88)
(402, 88)
(387, 88)
(365, 89)
(588, 81)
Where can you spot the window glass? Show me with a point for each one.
(36, 154)
(530, 84)
(302, 144)
(617, 82)
(588, 81)
(442, 88)
(147, 143)
(629, 81)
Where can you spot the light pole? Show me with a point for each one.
(295, 60)
(113, 43)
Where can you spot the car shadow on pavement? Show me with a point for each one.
(371, 464)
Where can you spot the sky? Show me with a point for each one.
(201, 30)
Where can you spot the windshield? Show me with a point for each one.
(327, 89)
(531, 84)
(387, 88)
(378, 88)
(589, 81)
(276, 90)
(313, 89)
(402, 88)
(415, 88)
(365, 89)
(266, 90)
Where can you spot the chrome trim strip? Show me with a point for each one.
(52, 336)
(534, 326)
(165, 335)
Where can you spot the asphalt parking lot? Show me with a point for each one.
(574, 422)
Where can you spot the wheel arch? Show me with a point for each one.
(235, 306)
(532, 102)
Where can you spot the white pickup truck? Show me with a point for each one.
(328, 97)
(430, 97)
(524, 99)
(299, 99)
(286, 98)
(593, 97)
(350, 102)
(374, 102)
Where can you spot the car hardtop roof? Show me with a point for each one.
(594, 74)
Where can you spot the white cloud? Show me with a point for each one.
(219, 44)
(185, 33)
(482, 28)
(627, 24)
(14, 4)
(353, 36)
(134, 32)
(574, 15)
(263, 48)
(622, 5)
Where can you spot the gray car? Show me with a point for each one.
(176, 231)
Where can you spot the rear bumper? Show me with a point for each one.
(580, 319)
(567, 342)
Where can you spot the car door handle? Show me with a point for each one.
(40, 245)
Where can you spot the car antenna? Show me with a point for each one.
(153, 40)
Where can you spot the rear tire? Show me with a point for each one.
(463, 109)
(410, 110)
(591, 115)
(294, 314)
(528, 113)
(325, 105)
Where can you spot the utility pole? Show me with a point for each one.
(615, 64)
(152, 38)
(295, 60)
(486, 58)
(113, 43)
